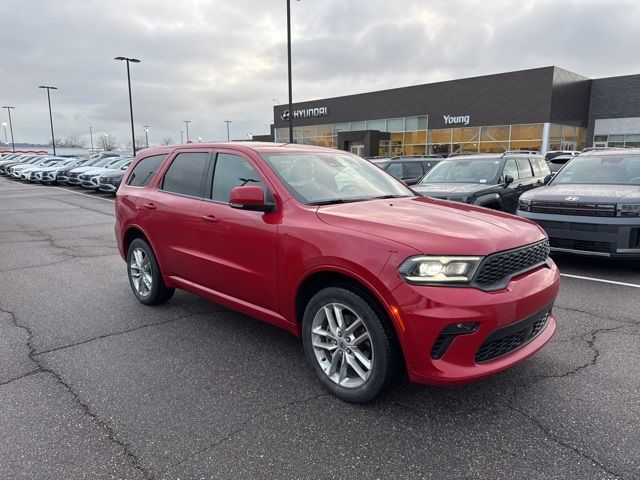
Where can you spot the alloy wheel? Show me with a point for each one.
(141, 275)
(342, 345)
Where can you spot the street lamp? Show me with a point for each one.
(228, 122)
(13, 145)
(133, 133)
(91, 134)
(289, 70)
(6, 140)
(146, 133)
(181, 136)
(53, 140)
(187, 122)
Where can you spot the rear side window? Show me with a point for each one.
(144, 170)
(412, 170)
(395, 169)
(233, 171)
(186, 173)
(524, 168)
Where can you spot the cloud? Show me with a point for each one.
(209, 61)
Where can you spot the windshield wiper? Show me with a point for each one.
(337, 200)
(382, 197)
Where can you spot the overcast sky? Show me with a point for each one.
(213, 60)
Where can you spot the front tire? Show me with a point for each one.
(349, 344)
(145, 278)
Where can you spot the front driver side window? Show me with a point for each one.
(510, 168)
(233, 171)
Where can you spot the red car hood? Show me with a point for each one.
(432, 226)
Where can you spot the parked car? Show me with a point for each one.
(70, 177)
(488, 180)
(48, 176)
(15, 170)
(379, 161)
(555, 153)
(410, 169)
(89, 178)
(325, 245)
(19, 160)
(109, 182)
(592, 206)
(29, 173)
(556, 163)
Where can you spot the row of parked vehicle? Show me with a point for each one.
(588, 202)
(101, 171)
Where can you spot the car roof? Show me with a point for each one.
(611, 151)
(259, 147)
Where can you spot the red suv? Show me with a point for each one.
(329, 247)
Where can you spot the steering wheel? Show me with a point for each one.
(636, 179)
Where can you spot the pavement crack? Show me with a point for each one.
(110, 433)
(114, 334)
(596, 315)
(7, 382)
(242, 426)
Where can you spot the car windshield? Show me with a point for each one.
(463, 170)
(317, 178)
(601, 169)
(100, 163)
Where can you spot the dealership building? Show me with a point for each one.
(540, 109)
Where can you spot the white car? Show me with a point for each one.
(29, 173)
(90, 178)
(72, 177)
(16, 170)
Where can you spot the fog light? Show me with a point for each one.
(448, 334)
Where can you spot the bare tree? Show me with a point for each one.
(140, 142)
(167, 141)
(107, 142)
(73, 140)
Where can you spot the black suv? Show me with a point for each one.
(592, 206)
(489, 180)
(410, 169)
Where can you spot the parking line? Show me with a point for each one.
(602, 280)
(87, 195)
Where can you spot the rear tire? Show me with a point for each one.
(144, 274)
(349, 344)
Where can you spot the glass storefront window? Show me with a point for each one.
(466, 134)
(422, 123)
(324, 130)
(495, 134)
(534, 145)
(340, 127)
(616, 138)
(411, 124)
(442, 135)
(357, 126)
(282, 135)
(494, 147)
(532, 131)
(310, 131)
(415, 137)
(395, 125)
(569, 134)
(377, 125)
(601, 138)
(415, 149)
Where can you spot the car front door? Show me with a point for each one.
(510, 193)
(171, 214)
(239, 246)
(412, 172)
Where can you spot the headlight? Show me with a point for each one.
(437, 269)
(628, 210)
(524, 205)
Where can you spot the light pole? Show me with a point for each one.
(181, 136)
(133, 133)
(6, 140)
(146, 133)
(53, 140)
(91, 135)
(187, 122)
(13, 145)
(289, 71)
(228, 122)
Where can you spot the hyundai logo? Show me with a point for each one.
(285, 115)
(572, 199)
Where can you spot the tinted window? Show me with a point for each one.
(540, 167)
(232, 171)
(412, 170)
(510, 168)
(524, 168)
(144, 171)
(185, 173)
(395, 169)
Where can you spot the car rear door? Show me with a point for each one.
(239, 246)
(171, 213)
(527, 180)
(412, 172)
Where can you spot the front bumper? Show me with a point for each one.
(90, 183)
(73, 181)
(426, 311)
(107, 187)
(615, 237)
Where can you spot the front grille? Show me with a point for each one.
(584, 245)
(506, 340)
(73, 174)
(499, 268)
(573, 208)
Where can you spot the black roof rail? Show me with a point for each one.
(591, 149)
(526, 152)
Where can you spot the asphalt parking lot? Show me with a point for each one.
(95, 385)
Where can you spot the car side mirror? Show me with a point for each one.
(508, 179)
(547, 179)
(249, 198)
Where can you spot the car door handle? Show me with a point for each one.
(210, 218)
(149, 206)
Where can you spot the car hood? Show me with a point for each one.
(434, 226)
(97, 171)
(445, 190)
(116, 174)
(584, 193)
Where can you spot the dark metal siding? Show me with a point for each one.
(570, 98)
